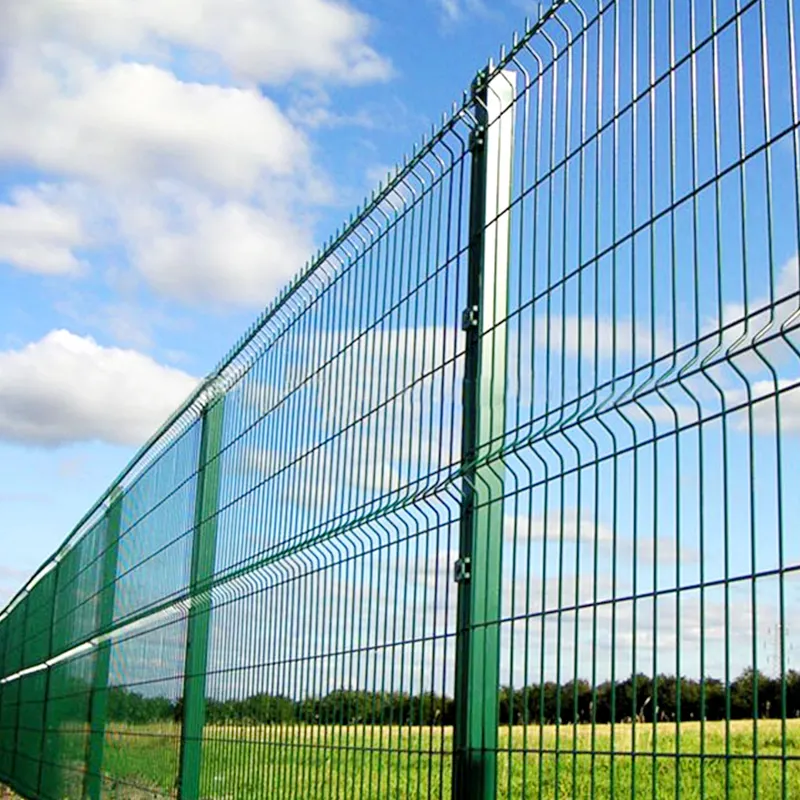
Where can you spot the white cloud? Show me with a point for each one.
(186, 245)
(743, 330)
(197, 251)
(38, 233)
(582, 335)
(561, 525)
(264, 40)
(67, 388)
(450, 9)
(789, 278)
(202, 186)
(138, 123)
(185, 172)
(457, 10)
(765, 412)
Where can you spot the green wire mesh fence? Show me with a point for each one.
(499, 497)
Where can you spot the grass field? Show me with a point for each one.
(318, 762)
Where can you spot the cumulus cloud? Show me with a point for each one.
(199, 184)
(263, 40)
(156, 112)
(195, 250)
(765, 411)
(137, 122)
(38, 233)
(67, 388)
(186, 245)
(560, 525)
(586, 335)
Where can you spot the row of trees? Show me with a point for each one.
(646, 699)
(637, 697)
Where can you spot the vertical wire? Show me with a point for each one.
(352, 648)
(701, 430)
(539, 126)
(545, 415)
(372, 292)
(459, 289)
(673, 305)
(724, 419)
(562, 382)
(418, 367)
(652, 359)
(388, 646)
(595, 355)
(614, 493)
(523, 164)
(792, 58)
(635, 449)
(382, 265)
(392, 384)
(748, 388)
(404, 544)
(429, 365)
(287, 731)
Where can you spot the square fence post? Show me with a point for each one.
(22, 624)
(478, 570)
(204, 550)
(45, 758)
(98, 704)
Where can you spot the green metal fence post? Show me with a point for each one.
(478, 570)
(204, 548)
(105, 618)
(18, 709)
(46, 710)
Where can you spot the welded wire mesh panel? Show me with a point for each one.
(330, 668)
(30, 729)
(155, 536)
(142, 731)
(27, 724)
(80, 581)
(4, 628)
(13, 624)
(650, 551)
(39, 621)
(9, 717)
(67, 718)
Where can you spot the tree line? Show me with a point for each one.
(637, 697)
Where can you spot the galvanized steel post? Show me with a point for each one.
(204, 549)
(478, 570)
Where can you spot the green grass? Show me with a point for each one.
(317, 762)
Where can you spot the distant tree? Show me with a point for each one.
(124, 705)
(715, 699)
(743, 694)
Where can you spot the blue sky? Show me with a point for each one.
(148, 162)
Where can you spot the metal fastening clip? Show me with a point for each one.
(461, 570)
(477, 137)
(469, 318)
